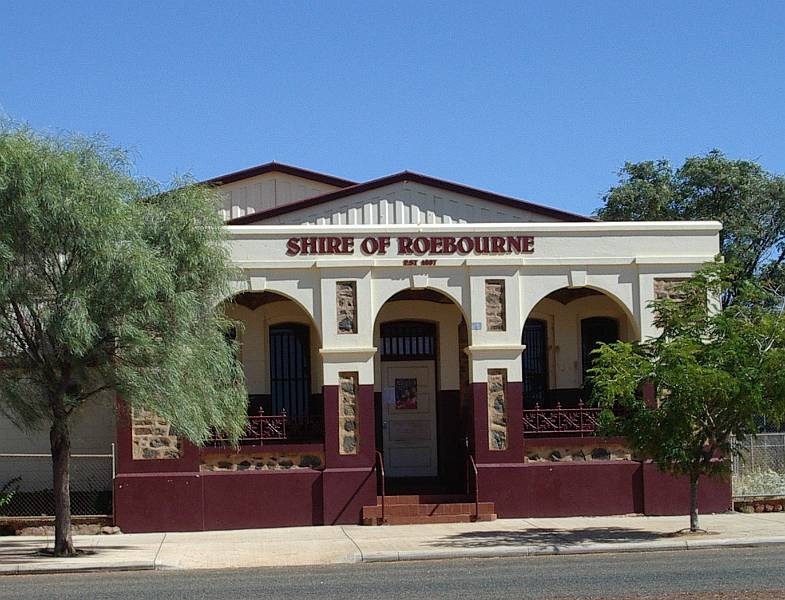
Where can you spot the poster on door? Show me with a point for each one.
(406, 394)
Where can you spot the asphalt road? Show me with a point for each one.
(739, 573)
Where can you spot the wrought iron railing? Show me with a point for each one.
(263, 428)
(582, 419)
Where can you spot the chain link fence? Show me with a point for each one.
(27, 479)
(759, 470)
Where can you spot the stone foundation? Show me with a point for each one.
(347, 413)
(262, 461)
(497, 409)
(152, 437)
(577, 453)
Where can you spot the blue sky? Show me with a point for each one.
(538, 100)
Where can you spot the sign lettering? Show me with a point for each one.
(413, 246)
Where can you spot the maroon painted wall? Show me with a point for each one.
(667, 495)
(562, 489)
(251, 499)
(480, 445)
(346, 490)
(366, 455)
(159, 502)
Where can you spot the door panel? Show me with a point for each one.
(409, 418)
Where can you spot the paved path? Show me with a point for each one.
(713, 574)
(350, 544)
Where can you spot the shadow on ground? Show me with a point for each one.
(14, 552)
(547, 537)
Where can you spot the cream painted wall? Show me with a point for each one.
(408, 203)
(254, 342)
(618, 259)
(446, 316)
(564, 334)
(267, 191)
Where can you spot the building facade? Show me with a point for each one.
(424, 329)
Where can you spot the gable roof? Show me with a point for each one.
(276, 167)
(442, 184)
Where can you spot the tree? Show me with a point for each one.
(713, 371)
(108, 284)
(749, 202)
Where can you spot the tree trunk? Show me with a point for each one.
(694, 502)
(60, 441)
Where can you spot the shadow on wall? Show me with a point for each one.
(547, 537)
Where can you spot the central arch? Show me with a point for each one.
(422, 396)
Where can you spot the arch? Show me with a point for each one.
(406, 287)
(420, 394)
(268, 296)
(628, 312)
(558, 325)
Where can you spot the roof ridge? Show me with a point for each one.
(419, 178)
(275, 166)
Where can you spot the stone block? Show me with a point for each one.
(497, 409)
(346, 306)
(347, 413)
(495, 313)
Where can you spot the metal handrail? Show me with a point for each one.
(473, 465)
(380, 472)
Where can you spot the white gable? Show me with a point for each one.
(406, 203)
(265, 191)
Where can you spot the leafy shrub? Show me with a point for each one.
(8, 491)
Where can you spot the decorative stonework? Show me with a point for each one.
(495, 318)
(152, 437)
(577, 453)
(348, 413)
(497, 409)
(346, 305)
(262, 461)
(666, 288)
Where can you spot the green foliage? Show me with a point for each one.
(713, 370)
(9, 490)
(749, 202)
(111, 283)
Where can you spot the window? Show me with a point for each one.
(408, 340)
(290, 369)
(535, 362)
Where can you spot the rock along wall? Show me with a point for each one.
(346, 306)
(347, 413)
(497, 409)
(152, 437)
(262, 461)
(666, 288)
(576, 452)
(495, 305)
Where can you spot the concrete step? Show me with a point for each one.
(426, 519)
(430, 509)
(424, 499)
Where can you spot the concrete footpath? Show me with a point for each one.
(354, 544)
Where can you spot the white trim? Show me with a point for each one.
(613, 227)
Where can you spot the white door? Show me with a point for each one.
(409, 418)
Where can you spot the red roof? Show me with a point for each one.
(275, 167)
(349, 190)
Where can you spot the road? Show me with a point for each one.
(749, 573)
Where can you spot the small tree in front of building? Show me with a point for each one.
(713, 371)
(108, 284)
